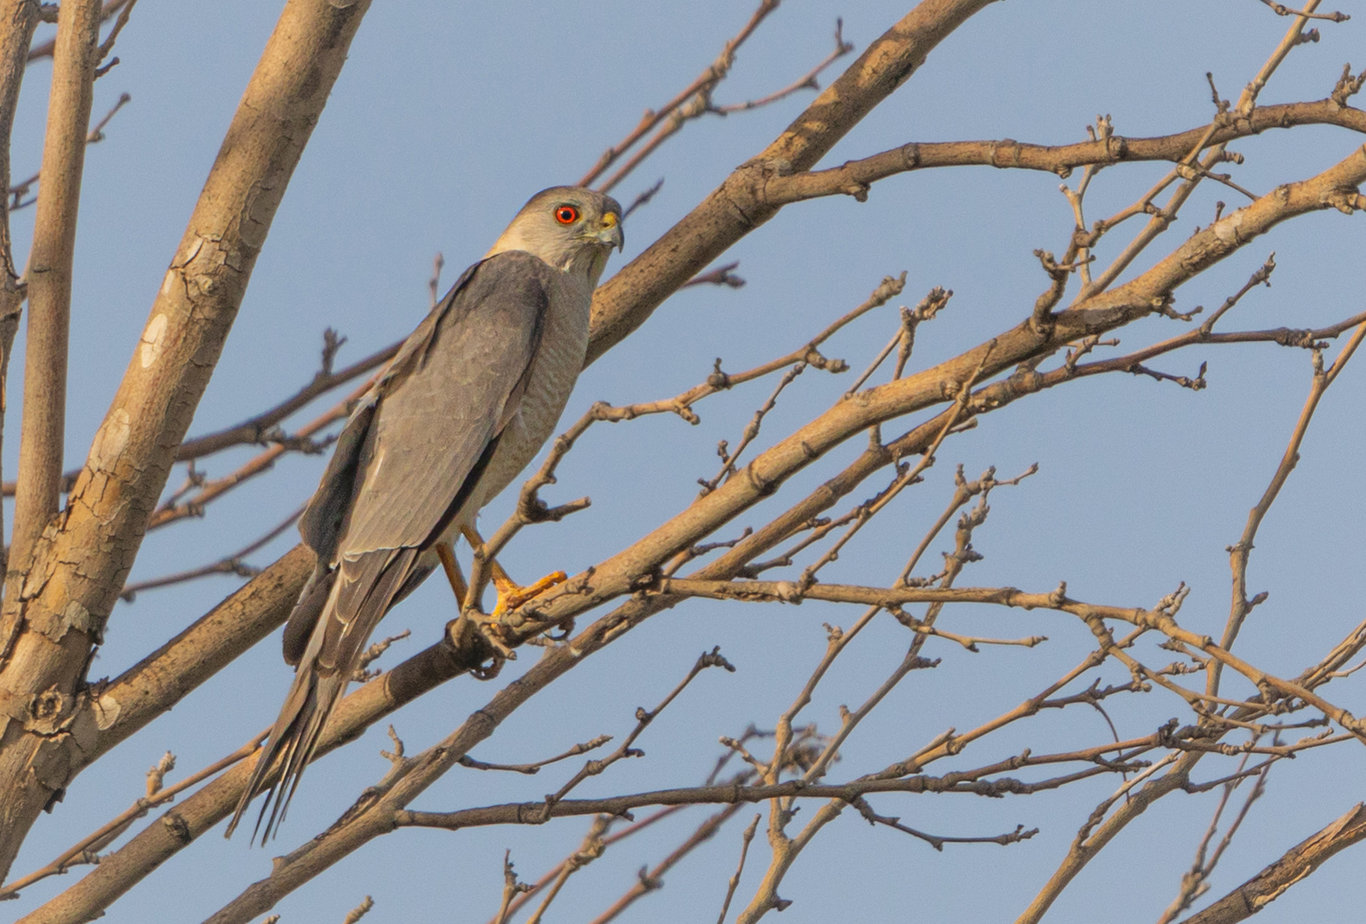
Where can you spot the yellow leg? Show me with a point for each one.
(446, 552)
(510, 594)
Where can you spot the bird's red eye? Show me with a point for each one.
(566, 214)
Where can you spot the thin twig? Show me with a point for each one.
(230, 564)
(87, 849)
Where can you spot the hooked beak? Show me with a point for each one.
(609, 231)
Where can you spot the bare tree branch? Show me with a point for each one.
(737, 206)
(698, 89)
(54, 244)
(22, 18)
(78, 568)
(229, 564)
(1291, 869)
(856, 176)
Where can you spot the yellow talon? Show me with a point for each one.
(512, 595)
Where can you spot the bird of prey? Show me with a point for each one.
(464, 405)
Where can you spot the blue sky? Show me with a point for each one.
(445, 119)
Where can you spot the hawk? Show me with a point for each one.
(464, 405)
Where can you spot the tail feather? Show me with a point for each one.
(333, 652)
(291, 745)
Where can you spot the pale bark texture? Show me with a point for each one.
(52, 618)
(20, 17)
(49, 290)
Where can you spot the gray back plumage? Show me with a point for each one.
(496, 312)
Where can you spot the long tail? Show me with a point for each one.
(361, 592)
(292, 742)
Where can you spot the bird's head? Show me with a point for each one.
(569, 227)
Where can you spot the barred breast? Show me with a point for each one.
(554, 369)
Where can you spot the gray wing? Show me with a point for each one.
(406, 461)
(401, 464)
